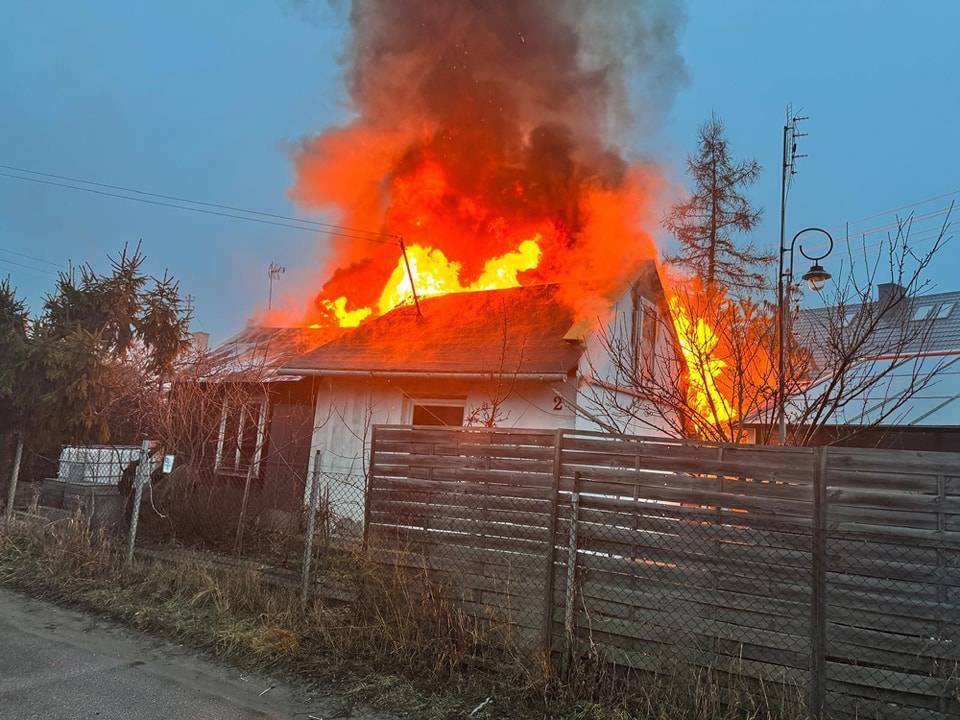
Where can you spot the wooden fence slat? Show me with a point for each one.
(692, 552)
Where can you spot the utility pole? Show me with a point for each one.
(791, 134)
(274, 271)
(413, 285)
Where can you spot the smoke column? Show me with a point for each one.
(483, 122)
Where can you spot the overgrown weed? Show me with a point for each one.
(403, 645)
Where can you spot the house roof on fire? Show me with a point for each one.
(510, 332)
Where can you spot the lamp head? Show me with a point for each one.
(816, 277)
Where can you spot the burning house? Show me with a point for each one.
(488, 221)
(516, 357)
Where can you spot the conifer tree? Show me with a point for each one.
(716, 211)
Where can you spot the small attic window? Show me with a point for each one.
(922, 312)
(643, 334)
(944, 310)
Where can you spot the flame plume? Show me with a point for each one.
(486, 136)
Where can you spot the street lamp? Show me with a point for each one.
(816, 278)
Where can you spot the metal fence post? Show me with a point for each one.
(312, 502)
(14, 476)
(367, 484)
(818, 614)
(238, 540)
(551, 555)
(141, 478)
(569, 599)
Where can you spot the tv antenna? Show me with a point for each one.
(274, 271)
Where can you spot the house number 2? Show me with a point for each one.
(557, 402)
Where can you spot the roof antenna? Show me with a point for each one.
(406, 261)
(274, 271)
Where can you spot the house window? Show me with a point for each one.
(922, 312)
(438, 412)
(944, 310)
(643, 335)
(242, 430)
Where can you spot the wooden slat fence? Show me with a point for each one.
(835, 571)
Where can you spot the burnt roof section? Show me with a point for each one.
(518, 330)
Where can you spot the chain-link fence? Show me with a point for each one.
(828, 577)
(130, 493)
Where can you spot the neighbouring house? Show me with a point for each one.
(512, 358)
(912, 401)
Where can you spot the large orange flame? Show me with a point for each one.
(698, 342)
(431, 273)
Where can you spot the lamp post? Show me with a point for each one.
(816, 277)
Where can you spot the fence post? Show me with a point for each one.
(551, 554)
(311, 527)
(367, 483)
(569, 600)
(238, 540)
(818, 614)
(141, 478)
(14, 477)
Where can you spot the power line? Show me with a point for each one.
(905, 207)
(902, 222)
(303, 225)
(27, 267)
(316, 223)
(31, 257)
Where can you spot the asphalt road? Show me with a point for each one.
(57, 663)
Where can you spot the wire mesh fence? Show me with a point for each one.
(826, 575)
(830, 575)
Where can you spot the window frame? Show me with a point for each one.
(259, 436)
(940, 313)
(457, 402)
(643, 310)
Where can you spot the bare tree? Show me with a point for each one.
(859, 359)
(491, 411)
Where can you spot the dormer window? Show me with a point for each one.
(933, 311)
(944, 310)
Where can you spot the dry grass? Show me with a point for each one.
(401, 646)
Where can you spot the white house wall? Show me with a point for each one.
(596, 364)
(348, 408)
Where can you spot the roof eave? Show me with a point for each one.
(444, 375)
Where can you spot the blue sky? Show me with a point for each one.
(206, 100)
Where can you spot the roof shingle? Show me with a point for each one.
(518, 330)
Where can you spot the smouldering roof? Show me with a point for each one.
(519, 330)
